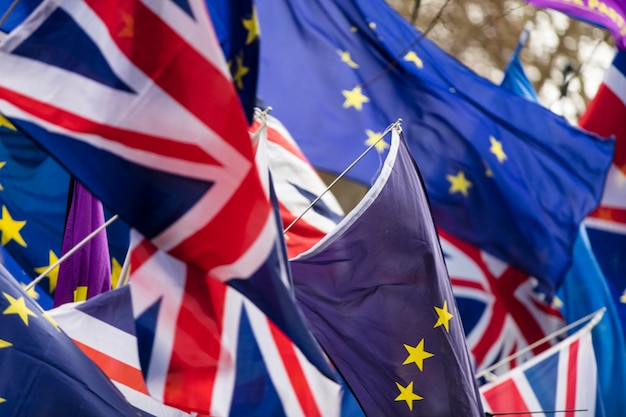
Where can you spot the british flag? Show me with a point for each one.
(501, 310)
(606, 226)
(562, 379)
(135, 99)
(297, 185)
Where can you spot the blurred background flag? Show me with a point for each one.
(366, 66)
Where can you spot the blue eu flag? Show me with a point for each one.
(378, 298)
(502, 173)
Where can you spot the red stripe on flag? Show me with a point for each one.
(133, 139)
(155, 48)
(238, 225)
(116, 370)
(605, 117)
(298, 379)
(141, 253)
(198, 341)
(610, 214)
(572, 377)
(506, 397)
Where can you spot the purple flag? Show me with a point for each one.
(610, 14)
(377, 295)
(87, 272)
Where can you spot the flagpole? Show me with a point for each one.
(594, 317)
(387, 130)
(70, 252)
(6, 14)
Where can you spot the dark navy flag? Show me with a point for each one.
(43, 371)
(237, 30)
(503, 173)
(378, 297)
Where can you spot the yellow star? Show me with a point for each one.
(417, 355)
(372, 25)
(354, 98)
(252, 25)
(412, 57)
(5, 344)
(240, 72)
(53, 274)
(2, 400)
(407, 394)
(345, 57)
(458, 183)
(5, 122)
(10, 228)
(444, 316)
(128, 30)
(116, 272)
(18, 306)
(622, 298)
(51, 320)
(496, 149)
(372, 137)
(353, 29)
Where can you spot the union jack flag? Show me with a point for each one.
(134, 97)
(501, 310)
(297, 185)
(606, 226)
(563, 378)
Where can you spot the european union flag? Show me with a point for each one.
(34, 201)
(43, 371)
(34, 196)
(237, 30)
(502, 173)
(377, 295)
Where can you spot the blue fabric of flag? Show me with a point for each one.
(515, 79)
(237, 30)
(377, 295)
(502, 173)
(43, 371)
(18, 12)
(584, 291)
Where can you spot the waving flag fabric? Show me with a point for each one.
(515, 79)
(297, 185)
(359, 66)
(176, 166)
(562, 378)
(379, 299)
(42, 370)
(502, 310)
(609, 14)
(230, 375)
(606, 226)
(34, 202)
(87, 271)
(584, 291)
(105, 331)
(237, 30)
